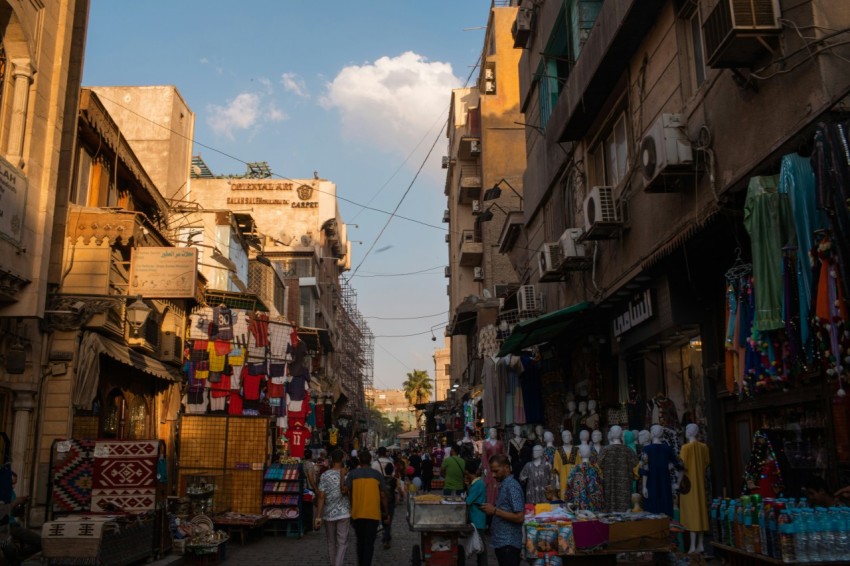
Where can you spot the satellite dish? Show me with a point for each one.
(285, 238)
(486, 294)
(306, 240)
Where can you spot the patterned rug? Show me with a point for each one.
(124, 475)
(72, 475)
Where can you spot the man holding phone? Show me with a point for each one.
(508, 513)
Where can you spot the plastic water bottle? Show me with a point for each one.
(772, 534)
(747, 529)
(786, 537)
(801, 535)
(761, 522)
(815, 521)
(712, 515)
(833, 540)
(843, 545)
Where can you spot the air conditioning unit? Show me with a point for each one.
(490, 74)
(446, 216)
(447, 271)
(448, 238)
(666, 155)
(476, 207)
(574, 251)
(738, 33)
(478, 273)
(446, 161)
(601, 221)
(475, 147)
(521, 28)
(527, 296)
(171, 347)
(549, 261)
(489, 87)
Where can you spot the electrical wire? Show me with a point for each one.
(408, 317)
(421, 271)
(429, 331)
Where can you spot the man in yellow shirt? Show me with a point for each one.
(369, 504)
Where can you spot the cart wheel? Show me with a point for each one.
(416, 556)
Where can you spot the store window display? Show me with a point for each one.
(617, 463)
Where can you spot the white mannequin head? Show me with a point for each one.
(615, 435)
(538, 430)
(491, 434)
(537, 452)
(548, 438)
(582, 407)
(596, 437)
(691, 431)
(517, 431)
(566, 437)
(584, 450)
(571, 406)
(584, 436)
(591, 406)
(644, 438)
(655, 432)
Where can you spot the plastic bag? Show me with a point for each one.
(473, 544)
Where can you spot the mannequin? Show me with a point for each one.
(438, 454)
(584, 485)
(584, 438)
(692, 507)
(566, 458)
(617, 463)
(657, 460)
(537, 474)
(662, 411)
(596, 437)
(592, 416)
(519, 451)
(567, 423)
(549, 447)
(538, 435)
(491, 447)
(582, 418)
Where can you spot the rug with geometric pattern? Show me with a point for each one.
(124, 475)
(72, 476)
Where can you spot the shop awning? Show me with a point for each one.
(544, 328)
(141, 362)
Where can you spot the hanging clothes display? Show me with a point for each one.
(584, 487)
(531, 391)
(657, 458)
(617, 463)
(537, 477)
(494, 394)
(565, 461)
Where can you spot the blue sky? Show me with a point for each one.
(357, 91)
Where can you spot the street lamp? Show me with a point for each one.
(495, 192)
(487, 215)
(137, 314)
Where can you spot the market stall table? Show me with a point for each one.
(241, 524)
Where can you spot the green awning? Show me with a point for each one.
(544, 328)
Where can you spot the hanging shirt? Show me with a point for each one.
(259, 329)
(298, 435)
(251, 386)
(234, 406)
(223, 319)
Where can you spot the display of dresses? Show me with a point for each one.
(494, 394)
(617, 462)
(693, 509)
(584, 487)
(491, 448)
(519, 452)
(565, 461)
(657, 460)
(537, 476)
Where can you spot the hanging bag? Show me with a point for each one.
(473, 544)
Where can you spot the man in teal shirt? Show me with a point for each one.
(476, 495)
(453, 468)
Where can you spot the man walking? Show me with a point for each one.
(334, 509)
(508, 513)
(369, 505)
(453, 467)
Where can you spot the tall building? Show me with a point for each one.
(442, 370)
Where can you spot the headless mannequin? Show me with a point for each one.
(596, 437)
(537, 473)
(695, 514)
(490, 447)
(661, 483)
(592, 416)
(617, 463)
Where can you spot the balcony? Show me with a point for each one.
(469, 186)
(471, 248)
(619, 30)
(469, 148)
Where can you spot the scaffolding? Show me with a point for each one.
(356, 358)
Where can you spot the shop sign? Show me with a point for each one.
(304, 192)
(164, 273)
(639, 311)
(13, 201)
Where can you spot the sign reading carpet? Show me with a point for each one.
(124, 475)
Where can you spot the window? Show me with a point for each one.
(696, 56)
(80, 193)
(569, 198)
(610, 158)
(554, 68)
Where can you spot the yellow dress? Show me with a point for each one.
(692, 505)
(564, 464)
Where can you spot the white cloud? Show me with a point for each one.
(297, 86)
(204, 60)
(240, 113)
(275, 114)
(392, 102)
(267, 84)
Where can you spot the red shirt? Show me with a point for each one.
(298, 436)
(251, 386)
(300, 416)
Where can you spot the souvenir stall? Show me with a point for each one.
(107, 502)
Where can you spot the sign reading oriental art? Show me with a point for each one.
(164, 273)
(274, 193)
(13, 201)
(638, 312)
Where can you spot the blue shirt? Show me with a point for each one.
(477, 495)
(505, 533)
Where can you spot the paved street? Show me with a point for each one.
(312, 549)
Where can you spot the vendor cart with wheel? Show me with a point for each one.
(441, 522)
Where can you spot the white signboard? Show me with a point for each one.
(164, 273)
(13, 201)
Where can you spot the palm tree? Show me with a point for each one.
(417, 387)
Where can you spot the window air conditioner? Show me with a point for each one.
(475, 147)
(489, 87)
(739, 32)
(549, 259)
(446, 216)
(171, 347)
(666, 155)
(478, 273)
(527, 295)
(601, 221)
(521, 28)
(476, 207)
(574, 251)
(448, 238)
(489, 74)
(447, 271)
(446, 161)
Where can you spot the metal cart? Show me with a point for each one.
(440, 525)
